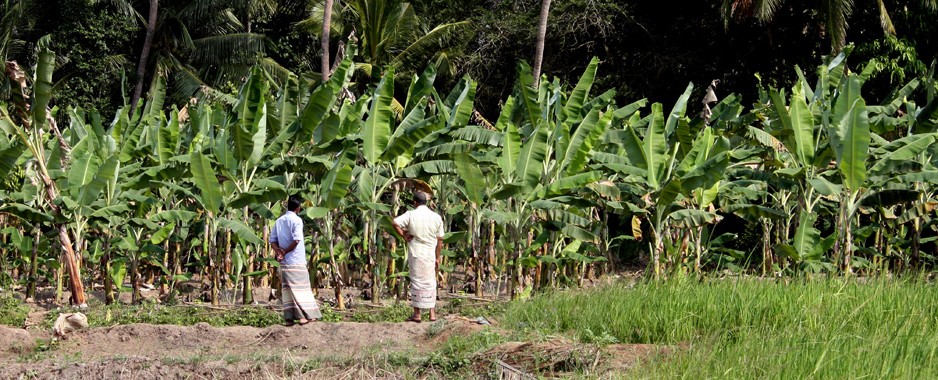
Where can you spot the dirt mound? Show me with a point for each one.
(316, 350)
(346, 339)
(555, 358)
(14, 341)
(133, 368)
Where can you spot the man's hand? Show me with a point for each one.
(408, 237)
(278, 252)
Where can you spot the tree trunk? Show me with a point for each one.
(106, 265)
(33, 265)
(767, 259)
(326, 26)
(541, 36)
(336, 276)
(145, 54)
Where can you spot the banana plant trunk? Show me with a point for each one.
(33, 264)
(767, 258)
(336, 274)
(106, 265)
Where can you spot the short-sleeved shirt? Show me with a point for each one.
(287, 229)
(425, 226)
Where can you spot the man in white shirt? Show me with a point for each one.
(423, 230)
(286, 238)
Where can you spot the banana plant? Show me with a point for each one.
(669, 182)
(34, 128)
(388, 156)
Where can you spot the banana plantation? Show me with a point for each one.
(567, 184)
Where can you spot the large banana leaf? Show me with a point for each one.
(204, 178)
(800, 121)
(241, 230)
(431, 167)
(336, 184)
(249, 132)
(252, 95)
(473, 181)
(413, 128)
(528, 94)
(584, 138)
(104, 175)
(531, 159)
(655, 147)
(376, 131)
(689, 218)
(511, 142)
(284, 109)
(155, 99)
(478, 135)
(82, 172)
(705, 175)
(174, 216)
(259, 137)
(420, 88)
(698, 153)
(848, 95)
(911, 147)
(42, 87)
(677, 112)
(164, 138)
(320, 104)
(806, 237)
(571, 109)
(851, 157)
(462, 104)
(566, 184)
(886, 198)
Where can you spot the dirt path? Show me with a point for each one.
(202, 351)
(343, 350)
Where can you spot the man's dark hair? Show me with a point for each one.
(294, 203)
(421, 198)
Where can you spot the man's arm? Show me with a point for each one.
(290, 247)
(275, 244)
(401, 231)
(439, 252)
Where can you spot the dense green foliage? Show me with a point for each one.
(829, 170)
(754, 328)
(535, 200)
(648, 49)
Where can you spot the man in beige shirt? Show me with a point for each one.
(423, 230)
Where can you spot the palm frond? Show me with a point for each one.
(884, 20)
(312, 25)
(426, 46)
(240, 48)
(125, 8)
(765, 9)
(835, 13)
(279, 73)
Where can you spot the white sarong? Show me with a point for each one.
(425, 226)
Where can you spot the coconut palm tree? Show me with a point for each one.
(387, 33)
(833, 13)
(196, 44)
(541, 36)
(15, 16)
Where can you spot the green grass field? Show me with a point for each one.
(754, 328)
